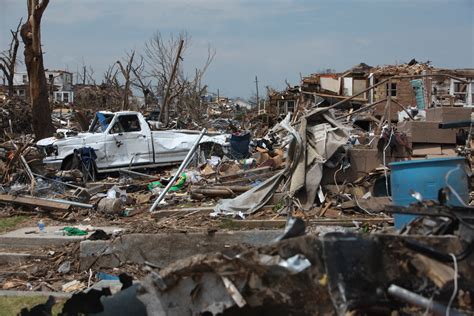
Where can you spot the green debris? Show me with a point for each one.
(176, 187)
(73, 231)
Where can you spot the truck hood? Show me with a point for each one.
(75, 139)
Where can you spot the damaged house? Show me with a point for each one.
(60, 85)
(415, 97)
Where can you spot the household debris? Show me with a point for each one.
(333, 158)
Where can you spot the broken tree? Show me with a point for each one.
(8, 59)
(126, 73)
(31, 35)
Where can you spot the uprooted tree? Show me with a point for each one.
(8, 59)
(178, 91)
(31, 35)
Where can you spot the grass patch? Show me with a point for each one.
(230, 224)
(12, 305)
(10, 223)
(279, 205)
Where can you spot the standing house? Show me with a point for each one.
(59, 85)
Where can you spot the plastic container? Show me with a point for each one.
(41, 227)
(427, 177)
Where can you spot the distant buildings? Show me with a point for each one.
(409, 85)
(60, 85)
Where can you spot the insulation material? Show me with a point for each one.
(330, 84)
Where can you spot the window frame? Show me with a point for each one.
(120, 123)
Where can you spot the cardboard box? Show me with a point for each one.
(448, 114)
(427, 132)
(364, 160)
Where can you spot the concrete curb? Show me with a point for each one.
(163, 249)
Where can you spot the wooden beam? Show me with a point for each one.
(437, 272)
(34, 202)
(192, 211)
(366, 107)
(325, 95)
(245, 172)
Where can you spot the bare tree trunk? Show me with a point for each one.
(126, 75)
(164, 113)
(8, 60)
(31, 35)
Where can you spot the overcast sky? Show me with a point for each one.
(276, 40)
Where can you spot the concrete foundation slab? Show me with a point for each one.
(29, 237)
(163, 249)
(17, 258)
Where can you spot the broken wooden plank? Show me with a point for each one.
(249, 178)
(245, 172)
(375, 204)
(34, 202)
(182, 212)
(195, 210)
(234, 188)
(324, 209)
(221, 193)
(436, 271)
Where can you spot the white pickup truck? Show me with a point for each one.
(124, 140)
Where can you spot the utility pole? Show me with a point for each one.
(218, 103)
(256, 86)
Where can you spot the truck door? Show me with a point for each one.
(127, 142)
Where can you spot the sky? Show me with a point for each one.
(277, 40)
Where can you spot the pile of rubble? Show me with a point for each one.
(362, 234)
(411, 68)
(15, 117)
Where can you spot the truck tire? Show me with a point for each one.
(211, 149)
(67, 163)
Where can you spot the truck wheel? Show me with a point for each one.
(211, 149)
(67, 163)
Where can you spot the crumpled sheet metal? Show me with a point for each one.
(318, 138)
(321, 142)
(252, 200)
(215, 283)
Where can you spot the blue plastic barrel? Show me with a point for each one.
(427, 177)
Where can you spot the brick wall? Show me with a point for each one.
(405, 96)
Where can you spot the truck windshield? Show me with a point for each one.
(101, 122)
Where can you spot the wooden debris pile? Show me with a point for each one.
(15, 117)
(411, 68)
